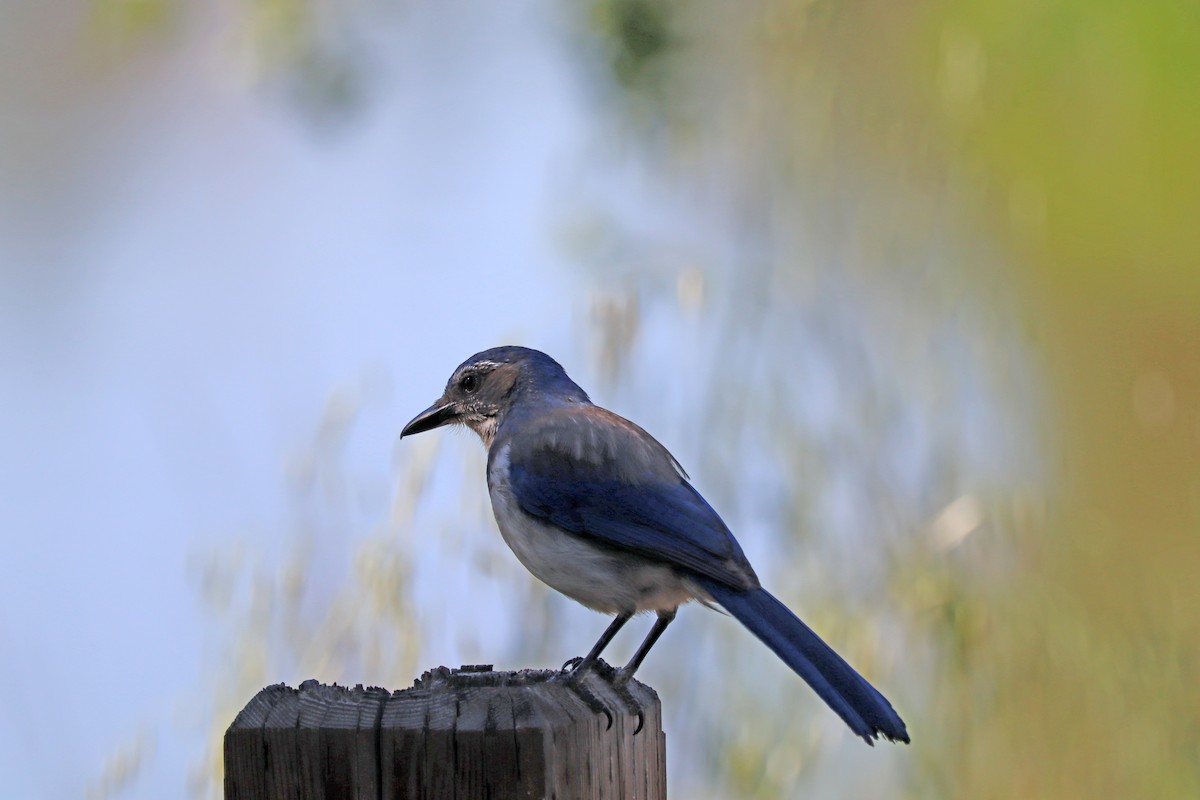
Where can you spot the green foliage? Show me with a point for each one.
(638, 35)
(128, 23)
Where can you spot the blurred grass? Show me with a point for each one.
(1062, 138)
(333, 602)
(1035, 156)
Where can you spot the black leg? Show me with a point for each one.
(660, 625)
(601, 643)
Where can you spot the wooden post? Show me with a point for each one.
(464, 734)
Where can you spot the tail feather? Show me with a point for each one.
(865, 710)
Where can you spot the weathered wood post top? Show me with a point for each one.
(463, 734)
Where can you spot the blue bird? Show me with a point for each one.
(596, 508)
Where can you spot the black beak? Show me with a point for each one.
(435, 416)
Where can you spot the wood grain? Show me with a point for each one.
(464, 734)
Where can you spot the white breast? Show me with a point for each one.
(596, 577)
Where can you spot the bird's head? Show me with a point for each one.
(484, 388)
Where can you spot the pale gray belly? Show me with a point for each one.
(596, 577)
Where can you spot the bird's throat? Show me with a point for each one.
(485, 427)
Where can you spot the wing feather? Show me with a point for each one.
(597, 475)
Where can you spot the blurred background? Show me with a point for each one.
(912, 290)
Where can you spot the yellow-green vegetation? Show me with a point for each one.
(1062, 140)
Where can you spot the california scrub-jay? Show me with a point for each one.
(596, 508)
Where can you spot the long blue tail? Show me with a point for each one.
(865, 710)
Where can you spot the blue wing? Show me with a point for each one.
(597, 475)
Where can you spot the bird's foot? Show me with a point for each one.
(618, 679)
(604, 669)
(573, 669)
(572, 674)
(620, 684)
(594, 704)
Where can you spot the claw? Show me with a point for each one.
(620, 680)
(590, 700)
(571, 663)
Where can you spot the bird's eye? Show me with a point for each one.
(469, 383)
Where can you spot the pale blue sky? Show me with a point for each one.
(172, 336)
